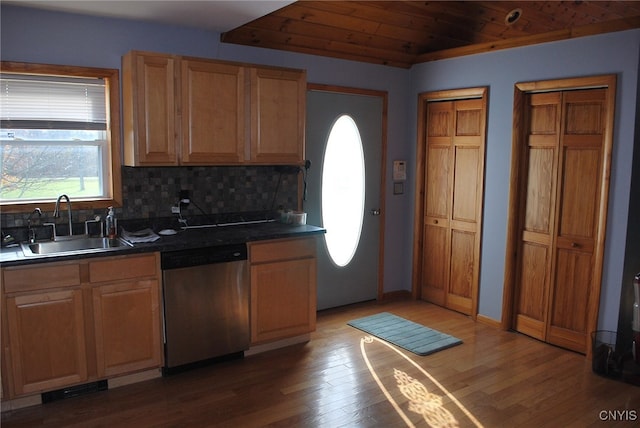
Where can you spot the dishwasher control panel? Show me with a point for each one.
(203, 256)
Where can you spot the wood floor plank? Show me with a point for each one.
(496, 378)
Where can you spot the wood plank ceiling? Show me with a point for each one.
(403, 33)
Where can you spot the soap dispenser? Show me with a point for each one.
(111, 224)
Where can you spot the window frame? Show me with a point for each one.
(113, 176)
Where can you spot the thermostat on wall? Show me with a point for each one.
(399, 170)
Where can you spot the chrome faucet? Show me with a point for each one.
(56, 211)
(30, 230)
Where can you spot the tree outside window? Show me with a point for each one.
(59, 135)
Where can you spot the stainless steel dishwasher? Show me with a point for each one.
(206, 305)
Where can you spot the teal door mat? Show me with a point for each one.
(406, 334)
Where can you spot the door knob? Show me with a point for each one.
(375, 211)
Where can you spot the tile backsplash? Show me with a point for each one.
(149, 192)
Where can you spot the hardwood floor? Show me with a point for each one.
(493, 379)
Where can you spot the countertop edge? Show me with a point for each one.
(13, 256)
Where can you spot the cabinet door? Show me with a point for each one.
(213, 113)
(46, 336)
(277, 116)
(149, 109)
(127, 327)
(283, 299)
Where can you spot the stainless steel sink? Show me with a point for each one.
(80, 245)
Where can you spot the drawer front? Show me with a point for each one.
(118, 268)
(260, 252)
(41, 277)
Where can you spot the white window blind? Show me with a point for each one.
(49, 102)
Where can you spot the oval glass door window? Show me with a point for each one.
(343, 190)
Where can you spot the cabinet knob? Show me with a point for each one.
(435, 221)
(575, 245)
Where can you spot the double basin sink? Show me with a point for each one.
(82, 244)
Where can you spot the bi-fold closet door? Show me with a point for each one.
(451, 149)
(562, 190)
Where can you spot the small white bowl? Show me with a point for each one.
(298, 218)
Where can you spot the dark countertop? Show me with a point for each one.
(193, 237)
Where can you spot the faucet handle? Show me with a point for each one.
(53, 227)
(96, 219)
(31, 232)
(35, 211)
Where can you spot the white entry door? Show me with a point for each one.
(344, 140)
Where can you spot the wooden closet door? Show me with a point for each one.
(538, 212)
(453, 203)
(466, 203)
(580, 183)
(435, 265)
(560, 216)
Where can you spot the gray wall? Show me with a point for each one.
(72, 39)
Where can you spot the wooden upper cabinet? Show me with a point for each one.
(213, 112)
(193, 111)
(149, 109)
(277, 115)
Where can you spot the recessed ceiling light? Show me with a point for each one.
(513, 16)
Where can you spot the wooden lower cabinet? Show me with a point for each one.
(47, 340)
(68, 323)
(127, 327)
(283, 289)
